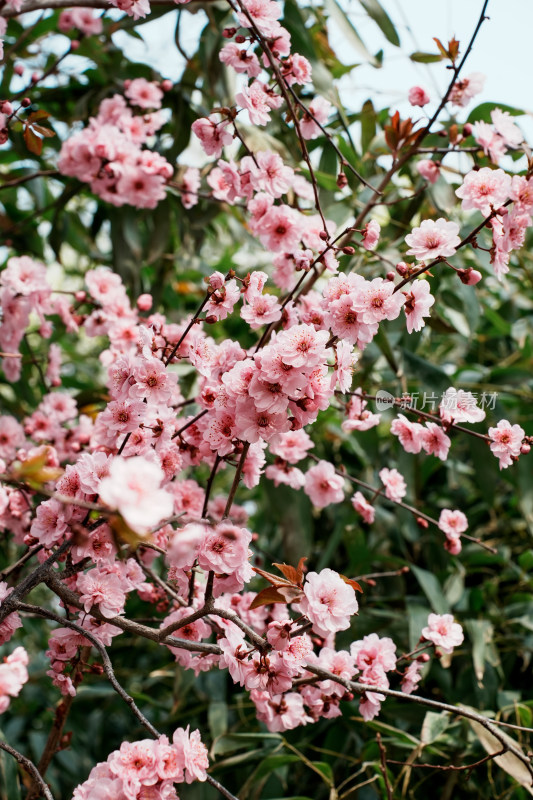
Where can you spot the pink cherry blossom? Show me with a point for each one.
(435, 441)
(460, 406)
(465, 89)
(433, 239)
(418, 96)
(410, 434)
(418, 301)
(452, 523)
(323, 486)
(484, 189)
(133, 488)
(430, 170)
(13, 676)
(319, 109)
(363, 507)
(443, 632)
(328, 602)
(506, 442)
(371, 235)
(394, 483)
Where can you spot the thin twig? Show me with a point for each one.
(30, 768)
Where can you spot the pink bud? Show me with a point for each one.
(74, 45)
(6, 107)
(166, 85)
(402, 269)
(467, 129)
(35, 77)
(18, 69)
(144, 302)
(25, 102)
(390, 276)
(423, 658)
(418, 96)
(453, 546)
(229, 33)
(80, 296)
(469, 276)
(525, 449)
(324, 236)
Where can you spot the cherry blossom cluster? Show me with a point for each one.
(148, 768)
(109, 154)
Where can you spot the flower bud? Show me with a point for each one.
(144, 302)
(74, 45)
(469, 276)
(467, 129)
(422, 523)
(348, 250)
(402, 269)
(6, 107)
(423, 658)
(18, 69)
(166, 85)
(229, 33)
(390, 276)
(324, 236)
(240, 39)
(25, 102)
(525, 449)
(342, 180)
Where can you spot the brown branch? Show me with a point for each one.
(108, 666)
(42, 173)
(487, 723)
(53, 743)
(30, 768)
(70, 598)
(235, 484)
(383, 766)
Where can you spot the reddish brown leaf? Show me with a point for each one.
(37, 116)
(46, 132)
(33, 143)
(453, 48)
(290, 593)
(441, 47)
(291, 573)
(275, 580)
(352, 583)
(266, 597)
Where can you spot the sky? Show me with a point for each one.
(502, 50)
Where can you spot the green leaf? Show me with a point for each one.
(432, 589)
(354, 40)
(217, 718)
(273, 762)
(482, 112)
(480, 631)
(434, 726)
(368, 125)
(382, 20)
(425, 58)
(325, 770)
